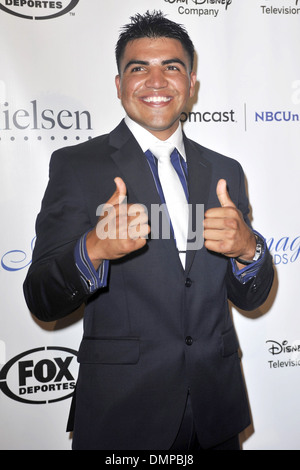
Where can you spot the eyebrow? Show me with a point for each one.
(164, 62)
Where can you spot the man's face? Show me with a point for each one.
(155, 83)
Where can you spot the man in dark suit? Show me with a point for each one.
(159, 363)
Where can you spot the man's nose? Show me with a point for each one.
(156, 79)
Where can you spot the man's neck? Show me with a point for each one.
(146, 139)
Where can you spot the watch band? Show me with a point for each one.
(257, 255)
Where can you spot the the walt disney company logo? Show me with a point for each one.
(200, 8)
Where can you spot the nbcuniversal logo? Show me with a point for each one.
(36, 9)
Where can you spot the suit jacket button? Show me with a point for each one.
(188, 282)
(189, 341)
(74, 295)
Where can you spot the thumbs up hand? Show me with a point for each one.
(121, 229)
(225, 230)
(223, 195)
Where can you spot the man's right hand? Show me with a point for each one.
(121, 229)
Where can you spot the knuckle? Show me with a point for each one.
(231, 223)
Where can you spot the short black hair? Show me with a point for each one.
(153, 25)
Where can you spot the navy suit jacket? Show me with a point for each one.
(136, 363)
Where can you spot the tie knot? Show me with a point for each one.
(162, 150)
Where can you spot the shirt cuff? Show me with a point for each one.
(248, 272)
(91, 278)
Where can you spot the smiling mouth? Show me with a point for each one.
(157, 99)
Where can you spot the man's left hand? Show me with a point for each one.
(225, 230)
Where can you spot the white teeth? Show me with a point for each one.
(157, 99)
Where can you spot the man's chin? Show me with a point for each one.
(160, 128)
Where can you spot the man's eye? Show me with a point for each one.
(137, 69)
(172, 67)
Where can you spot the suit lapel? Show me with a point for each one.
(199, 181)
(133, 166)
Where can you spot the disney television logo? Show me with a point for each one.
(281, 9)
(36, 9)
(283, 348)
(39, 376)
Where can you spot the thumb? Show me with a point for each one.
(120, 192)
(223, 195)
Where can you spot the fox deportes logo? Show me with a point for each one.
(37, 9)
(39, 376)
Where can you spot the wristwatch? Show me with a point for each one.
(258, 252)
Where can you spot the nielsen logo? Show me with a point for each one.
(35, 118)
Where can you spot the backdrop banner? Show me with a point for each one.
(57, 89)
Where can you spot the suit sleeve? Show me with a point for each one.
(253, 293)
(53, 287)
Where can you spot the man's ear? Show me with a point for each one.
(118, 85)
(193, 84)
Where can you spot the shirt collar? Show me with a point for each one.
(147, 140)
